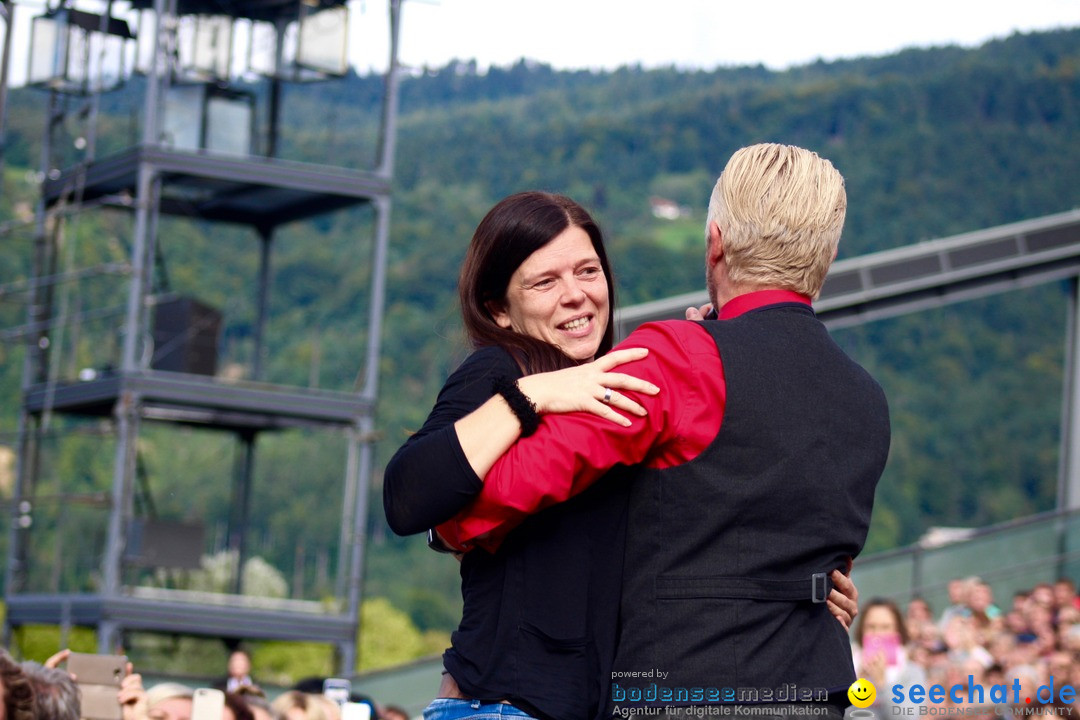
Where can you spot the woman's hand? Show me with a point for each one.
(489, 431)
(843, 600)
(591, 387)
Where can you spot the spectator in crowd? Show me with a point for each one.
(924, 636)
(56, 696)
(1030, 678)
(393, 712)
(967, 671)
(236, 708)
(297, 705)
(1019, 601)
(1040, 622)
(880, 651)
(966, 705)
(985, 614)
(1059, 666)
(330, 707)
(994, 675)
(1069, 639)
(257, 702)
(1065, 596)
(959, 592)
(918, 614)
(1016, 622)
(18, 695)
(962, 642)
(1042, 595)
(169, 701)
(238, 672)
(1002, 648)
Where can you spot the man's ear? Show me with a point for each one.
(715, 251)
(498, 313)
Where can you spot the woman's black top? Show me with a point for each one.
(539, 621)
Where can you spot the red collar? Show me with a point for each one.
(760, 298)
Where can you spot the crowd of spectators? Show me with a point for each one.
(46, 691)
(989, 660)
(974, 645)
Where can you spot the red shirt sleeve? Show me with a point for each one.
(569, 452)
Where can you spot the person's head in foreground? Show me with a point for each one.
(56, 696)
(16, 690)
(169, 701)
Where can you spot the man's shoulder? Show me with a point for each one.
(667, 335)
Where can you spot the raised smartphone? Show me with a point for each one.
(207, 704)
(887, 644)
(356, 711)
(98, 678)
(337, 689)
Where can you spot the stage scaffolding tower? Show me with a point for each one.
(213, 75)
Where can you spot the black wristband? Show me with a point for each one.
(519, 403)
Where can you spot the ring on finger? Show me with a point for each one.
(607, 395)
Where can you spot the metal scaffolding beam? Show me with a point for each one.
(162, 176)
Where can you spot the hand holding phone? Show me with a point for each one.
(885, 644)
(98, 678)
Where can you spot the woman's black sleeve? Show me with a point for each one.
(429, 479)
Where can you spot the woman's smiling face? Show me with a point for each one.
(559, 295)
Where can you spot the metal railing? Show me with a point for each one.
(1010, 557)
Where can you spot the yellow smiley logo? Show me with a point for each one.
(862, 693)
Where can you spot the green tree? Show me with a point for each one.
(388, 636)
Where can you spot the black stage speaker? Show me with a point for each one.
(185, 336)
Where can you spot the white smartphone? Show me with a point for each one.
(355, 711)
(207, 704)
(337, 689)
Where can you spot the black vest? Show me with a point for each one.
(719, 548)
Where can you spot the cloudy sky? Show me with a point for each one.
(689, 33)
(605, 34)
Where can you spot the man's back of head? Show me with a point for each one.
(780, 210)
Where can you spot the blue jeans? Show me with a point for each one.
(452, 709)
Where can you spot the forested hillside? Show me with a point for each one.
(931, 143)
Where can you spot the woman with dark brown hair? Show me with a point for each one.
(539, 615)
(880, 652)
(535, 292)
